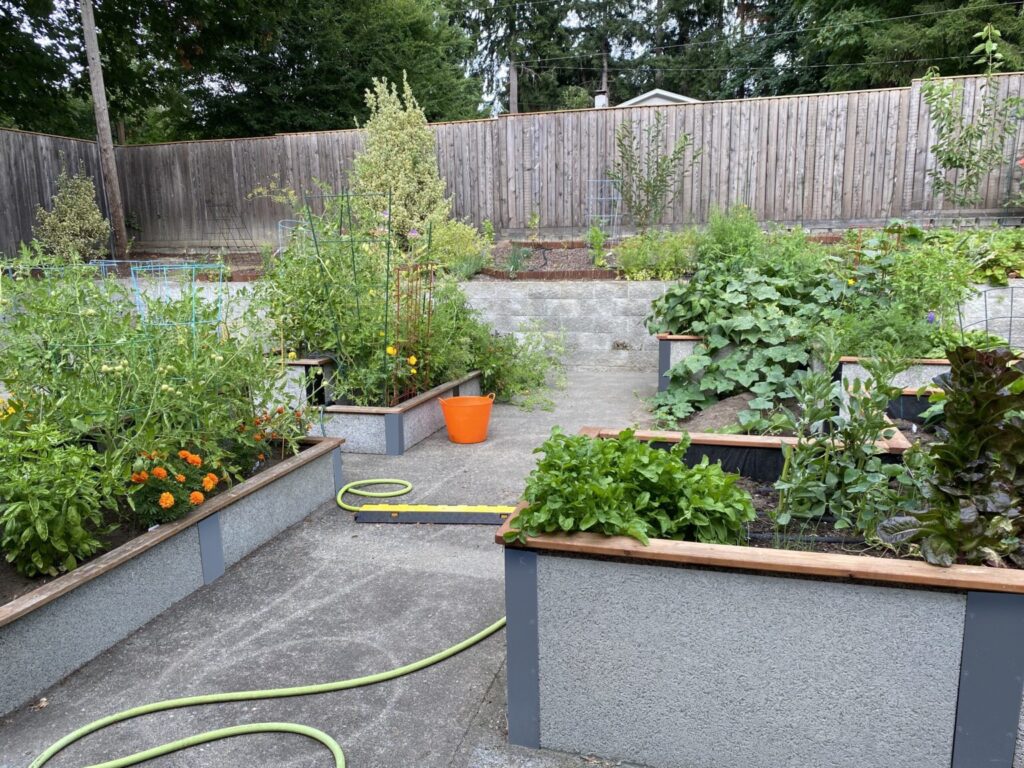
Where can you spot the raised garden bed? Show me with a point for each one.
(671, 349)
(682, 653)
(392, 431)
(914, 383)
(51, 631)
(758, 457)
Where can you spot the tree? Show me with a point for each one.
(399, 159)
(305, 65)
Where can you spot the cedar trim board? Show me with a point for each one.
(792, 562)
(916, 361)
(758, 457)
(50, 591)
(409, 404)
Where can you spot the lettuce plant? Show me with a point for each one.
(623, 486)
(974, 483)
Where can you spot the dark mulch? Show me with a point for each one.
(568, 257)
(915, 433)
(810, 536)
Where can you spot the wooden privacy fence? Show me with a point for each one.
(821, 160)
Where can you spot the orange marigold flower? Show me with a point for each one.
(210, 482)
(196, 498)
(261, 456)
(166, 500)
(140, 477)
(194, 459)
(183, 454)
(180, 478)
(159, 473)
(258, 436)
(280, 410)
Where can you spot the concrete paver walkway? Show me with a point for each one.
(332, 599)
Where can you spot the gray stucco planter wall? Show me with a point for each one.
(648, 657)
(52, 631)
(672, 349)
(392, 431)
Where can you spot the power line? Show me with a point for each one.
(780, 33)
(793, 67)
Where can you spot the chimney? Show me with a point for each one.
(600, 99)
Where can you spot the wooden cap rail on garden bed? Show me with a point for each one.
(797, 563)
(51, 590)
(898, 443)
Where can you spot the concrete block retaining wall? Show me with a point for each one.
(50, 632)
(603, 320)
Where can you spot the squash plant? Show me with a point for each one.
(624, 486)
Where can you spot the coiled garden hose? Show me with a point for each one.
(249, 728)
(355, 488)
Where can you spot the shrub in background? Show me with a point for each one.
(399, 157)
(74, 228)
(657, 255)
(645, 177)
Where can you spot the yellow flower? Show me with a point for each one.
(292, 355)
(412, 371)
(392, 351)
(851, 281)
(411, 360)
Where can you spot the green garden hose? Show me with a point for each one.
(355, 488)
(239, 730)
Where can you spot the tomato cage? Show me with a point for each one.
(998, 312)
(183, 294)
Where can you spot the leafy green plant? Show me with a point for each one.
(533, 224)
(596, 240)
(74, 229)
(973, 481)
(53, 494)
(836, 468)
(970, 148)
(657, 255)
(487, 231)
(757, 331)
(458, 247)
(516, 259)
(623, 486)
(644, 176)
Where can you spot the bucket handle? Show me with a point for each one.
(490, 397)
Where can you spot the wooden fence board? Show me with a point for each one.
(822, 158)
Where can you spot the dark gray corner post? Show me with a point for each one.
(664, 363)
(991, 681)
(211, 547)
(522, 647)
(339, 471)
(394, 434)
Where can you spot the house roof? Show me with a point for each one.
(658, 94)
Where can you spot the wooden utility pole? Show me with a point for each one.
(108, 164)
(513, 86)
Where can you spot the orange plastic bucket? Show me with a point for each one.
(467, 417)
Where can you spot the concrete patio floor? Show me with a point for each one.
(331, 599)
